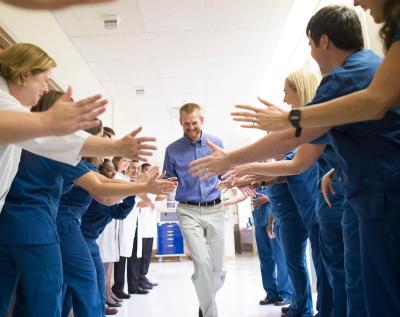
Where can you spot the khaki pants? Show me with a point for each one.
(203, 230)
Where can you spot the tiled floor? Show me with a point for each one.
(176, 297)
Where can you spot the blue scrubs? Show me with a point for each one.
(29, 243)
(274, 273)
(303, 188)
(368, 153)
(79, 270)
(93, 223)
(293, 236)
(331, 234)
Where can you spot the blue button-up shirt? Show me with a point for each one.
(178, 155)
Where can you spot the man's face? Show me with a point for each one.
(35, 86)
(191, 124)
(135, 168)
(375, 6)
(319, 53)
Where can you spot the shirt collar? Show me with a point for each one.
(4, 89)
(202, 140)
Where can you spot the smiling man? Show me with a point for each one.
(200, 211)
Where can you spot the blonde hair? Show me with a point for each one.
(188, 108)
(22, 58)
(305, 83)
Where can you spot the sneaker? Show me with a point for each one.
(268, 301)
(284, 310)
(282, 302)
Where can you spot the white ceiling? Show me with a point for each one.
(213, 52)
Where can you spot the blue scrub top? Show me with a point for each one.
(303, 188)
(98, 216)
(281, 201)
(73, 205)
(261, 213)
(396, 36)
(367, 152)
(30, 210)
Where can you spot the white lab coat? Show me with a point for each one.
(64, 149)
(108, 242)
(147, 222)
(127, 231)
(126, 228)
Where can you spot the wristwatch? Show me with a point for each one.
(294, 118)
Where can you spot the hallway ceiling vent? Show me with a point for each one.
(111, 22)
(139, 91)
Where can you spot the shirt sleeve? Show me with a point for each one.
(69, 172)
(64, 149)
(324, 93)
(122, 210)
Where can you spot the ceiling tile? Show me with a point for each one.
(177, 44)
(230, 65)
(238, 13)
(180, 67)
(130, 70)
(172, 15)
(234, 42)
(90, 18)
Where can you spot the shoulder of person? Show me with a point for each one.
(213, 139)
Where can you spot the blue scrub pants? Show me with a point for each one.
(80, 276)
(324, 302)
(356, 306)
(332, 248)
(274, 272)
(100, 274)
(293, 236)
(380, 250)
(38, 269)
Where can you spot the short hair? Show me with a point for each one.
(108, 132)
(305, 83)
(21, 58)
(341, 24)
(144, 165)
(189, 108)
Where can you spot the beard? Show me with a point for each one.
(193, 134)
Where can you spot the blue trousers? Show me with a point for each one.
(293, 236)
(380, 251)
(332, 248)
(79, 276)
(100, 274)
(356, 305)
(274, 272)
(38, 269)
(324, 302)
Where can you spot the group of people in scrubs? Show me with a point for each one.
(331, 161)
(48, 249)
(350, 130)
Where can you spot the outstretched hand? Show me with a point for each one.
(67, 116)
(213, 165)
(136, 148)
(51, 4)
(270, 118)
